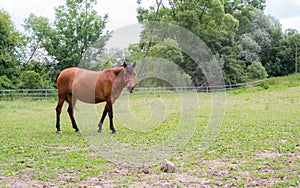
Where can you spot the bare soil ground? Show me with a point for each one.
(202, 173)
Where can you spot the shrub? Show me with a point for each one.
(256, 71)
(30, 80)
(6, 83)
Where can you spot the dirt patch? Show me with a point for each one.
(199, 173)
(20, 182)
(268, 155)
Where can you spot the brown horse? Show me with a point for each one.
(93, 87)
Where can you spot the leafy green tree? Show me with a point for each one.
(234, 70)
(288, 53)
(77, 27)
(257, 38)
(249, 49)
(76, 37)
(167, 52)
(10, 41)
(270, 54)
(241, 10)
(280, 57)
(207, 19)
(38, 33)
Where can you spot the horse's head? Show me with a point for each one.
(129, 76)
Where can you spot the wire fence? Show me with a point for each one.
(39, 94)
(34, 94)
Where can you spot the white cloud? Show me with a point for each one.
(287, 11)
(20, 9)
(283, 9)
(291, 23)
(296, 2)
(120, 13)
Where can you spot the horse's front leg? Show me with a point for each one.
(107, 110)
(102, 119)
(110, 114)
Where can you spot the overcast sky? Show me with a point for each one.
(123, 12)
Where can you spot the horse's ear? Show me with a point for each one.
(134, 64)
(124, 64)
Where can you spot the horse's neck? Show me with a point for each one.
(117, 70)
(119, 82)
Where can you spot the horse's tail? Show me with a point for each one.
(57, 77)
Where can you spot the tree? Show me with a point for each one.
(77, 27)
(38, 32)
(280, 57)
(10, 41)
(290, 52)
(206, 19)
(241, 10)
(249, 49)
(64, 43)
(256, 39)
(163, 66)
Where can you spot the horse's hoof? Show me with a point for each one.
(77, 131)
(100, 131)
(114, 132)
(58, 132)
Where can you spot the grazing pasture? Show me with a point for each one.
(257, 145)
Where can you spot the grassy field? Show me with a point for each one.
(258, 144)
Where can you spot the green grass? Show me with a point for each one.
(258, 143)
(30, 146)
(282, 82)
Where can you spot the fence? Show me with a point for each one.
(37, 94)
(34, 94)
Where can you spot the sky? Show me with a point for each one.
(287, 11)
(123, 12)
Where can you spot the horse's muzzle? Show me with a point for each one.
(130, 89)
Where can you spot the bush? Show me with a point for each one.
(264, 85)
(30, 80)
(256, 71)
(6, 83)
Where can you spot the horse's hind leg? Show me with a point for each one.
(72, 103)
(58, 112)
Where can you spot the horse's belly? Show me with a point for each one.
(87, 95)
(83, 95)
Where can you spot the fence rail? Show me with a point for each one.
(36, 94)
